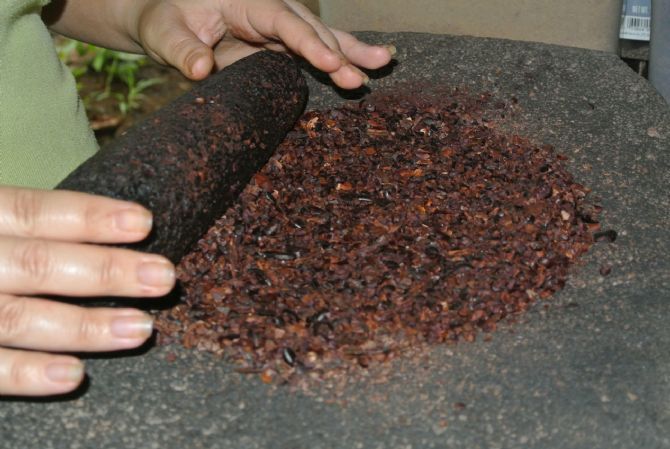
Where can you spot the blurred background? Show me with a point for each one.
(118, 89)
(579, 23)
(616, 26)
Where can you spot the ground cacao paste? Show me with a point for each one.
(188, 162)
(398, 220)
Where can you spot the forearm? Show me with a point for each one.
(106, 23)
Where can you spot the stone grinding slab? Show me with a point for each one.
(591, 370)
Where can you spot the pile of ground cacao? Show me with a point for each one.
(399, 220)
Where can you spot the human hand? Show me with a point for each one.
(44, 249)
(197, 37)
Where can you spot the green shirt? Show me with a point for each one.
(44, 133)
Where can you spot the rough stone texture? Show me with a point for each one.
(590, 370)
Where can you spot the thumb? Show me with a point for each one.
(177, 45)
(190, 55)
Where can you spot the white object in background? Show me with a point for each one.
(590, 24)
(659, 52)
(636, 20)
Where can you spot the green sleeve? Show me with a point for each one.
(44, 133)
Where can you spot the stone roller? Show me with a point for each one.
(189, 161)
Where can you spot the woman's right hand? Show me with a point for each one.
(47, 248)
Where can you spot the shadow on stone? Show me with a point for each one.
(347, 94)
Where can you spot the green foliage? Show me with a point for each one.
(118, 67)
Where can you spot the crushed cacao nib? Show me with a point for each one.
(400, 220)
(605, 270)
(605, 236)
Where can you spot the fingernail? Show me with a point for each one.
(134, 220)
(135, 327)
(197, 64)
(192, 61)
(391, 48)
(156, 274)
(364, 78)
(65, 372)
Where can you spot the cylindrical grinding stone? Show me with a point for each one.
(189, 161)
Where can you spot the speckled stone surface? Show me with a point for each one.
(590, 370)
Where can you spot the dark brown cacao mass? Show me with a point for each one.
(402, 219)
(188, 162)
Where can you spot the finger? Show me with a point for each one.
(349, 77)
(71, 216)
(298, 36)
(171, 40)
(31, 323)
(229, 51)
(362, 54)
(37, 266)
(325, 33)
(194, 59)
(25, 373)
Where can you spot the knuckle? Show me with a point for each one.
(282, 19)
(17, 375)
(283, 16)
(109, 272)
(91, 219)
(89, 330)
(182, 47)
(20, 375)
(33, 258)
(12, 319)
(26, 208)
